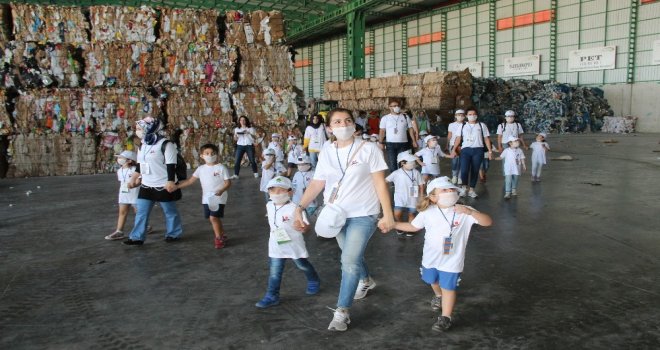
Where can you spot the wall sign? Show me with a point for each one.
(595, 58)
(474, 67)
(523, 65)
(656, 52)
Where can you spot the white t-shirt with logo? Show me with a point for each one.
(509, 130)
(299, 183)
(152, 162)
(513, 160)
(245, 136)
(283, 217)
(357, 194)
(431, 158)
(396, 127)
(472, 135)
(127, 195)
(437, 223)
(316, 138)
(403, 180)
(294, 153)
(455, 130)
(267, 174)
(279, 152)
(212, 178)
(538, 152)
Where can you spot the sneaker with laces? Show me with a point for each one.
(442, 324)
(268, 301)
(363, 287)
(340, 320)
(514, 192)
(472, 194)
(218, 243)
(313, 287)
(436, 303)
(507, 195)
(117, 235)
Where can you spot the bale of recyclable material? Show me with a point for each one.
(123, 23)
(619, 125)
(119, 64)
(53, 24)
(47, 65)
(189, 25)
(51, 111)
(49, 154)
(198, 64)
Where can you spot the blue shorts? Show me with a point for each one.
(220, 213)
(406, 209)
(447, 280)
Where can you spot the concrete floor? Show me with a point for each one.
(573, 262)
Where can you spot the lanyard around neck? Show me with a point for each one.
(451, 224)
(276, 210)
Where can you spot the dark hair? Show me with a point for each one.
(338, 110)
(471, 109)
(359, 128)
(213, 147)
(247, 121)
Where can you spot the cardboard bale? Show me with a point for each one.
(398, 91)
(109, 144)
(414, 102)
(189, 25)
(51, 110)
(332, 96)
(332, 86)
(47, 154)
(6, 126)
(372, 104)
(198, 64)
(117, 64)
(413, 91)
(266, 66)
(349, 104)
(277, 29)
(413, 79)
(42, 65)
(363, 93)
(362, 84)
(266, 105)
(348, 85)
(192, 139)
(198, 107)
(377, 83)
(5, 13)
(439, 90)
(435, 78)
(54, 24)
(117, 109)
(260, 23)
(394, 81)
(348, 95)
(122, 23)
(379, 92)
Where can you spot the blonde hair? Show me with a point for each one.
(426, 202)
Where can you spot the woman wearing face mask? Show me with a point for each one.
(157, 169)
(473, 142)
(509, 129)
(244, 135)
(448, 227)
(315, 137)
(394, 130)
(408, 184)
(359, 189)
(453, 131)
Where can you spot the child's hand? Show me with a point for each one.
(461, 209)
(219, 193)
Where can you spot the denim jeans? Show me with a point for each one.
(471, 159)
(352, 240)
(536, 168)
(510, 182)
(240, 151)
(455, 166)
(277, 267)
(314, 157)
(392, 149)
(172, 219)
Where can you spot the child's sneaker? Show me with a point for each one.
(507, 195)
(117, 235)
(442, 324)
(313, 287)
(454, 180)
(219, 243)
(514, 193)
(234, 177)
(340, 320)
(436, 304)
(268, 301)
(472, 194)
(363, 287)
(256, 175)
(462, 192)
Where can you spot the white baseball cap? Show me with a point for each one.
(423, 132)
(330, 221)
(304, 159)
(510, 138)
(459, 111)
(439, 182)
(279, 181)
(128, 155)
(543, 135)
(269, 151)
(292, 138)
(509, 113)
(430, 137)
(275, 135)
(405, 156)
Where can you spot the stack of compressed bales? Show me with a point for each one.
(189, 25)
(619, 125)
(197, 64)
(52, 24)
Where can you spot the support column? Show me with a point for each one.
(632, 41)
(355, 24)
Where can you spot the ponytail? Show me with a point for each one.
(425, 203)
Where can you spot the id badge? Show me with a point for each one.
(434, 160)
(124, 188)
(281, 236)
(413, 191)
(396, 130)
(447, 246)
(333, 194)
(145, 168)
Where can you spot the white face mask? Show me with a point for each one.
(509, 119)
(472, 118)
(210, 159)
(344, 133)
(409, 165)
(396, 110)
(447, 199)
(279, 198)
(460, 118)
(432, 144)
(304, 167)
(121, 161)
(140, 134)
(515, 144)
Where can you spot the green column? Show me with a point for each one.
(355, 25)
(492, 26)
(632, 41)
(553, 41)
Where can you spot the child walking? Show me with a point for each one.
(408, 184)
(514, 165)
(270, 168)
(284, 242)
(430, 158)
(539, 147)
(301, 180)
(127, 193)
(294, 151)
(448, 227)
(215, 180)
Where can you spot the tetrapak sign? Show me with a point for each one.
(474, 67)
(523, 65)
(595, 58)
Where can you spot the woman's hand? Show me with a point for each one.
(386, 224)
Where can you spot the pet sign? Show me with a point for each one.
(595, 58)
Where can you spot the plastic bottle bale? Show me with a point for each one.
(43, 65)
(189, 25)
(54, 24)
(51, 110)
(123, 24)
(118, 109)
(118, 64)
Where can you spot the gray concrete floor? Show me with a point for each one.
(573, 262)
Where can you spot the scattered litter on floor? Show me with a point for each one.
(565, 157)
(592, 183)
(609, 141)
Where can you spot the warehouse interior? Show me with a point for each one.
(568, 263)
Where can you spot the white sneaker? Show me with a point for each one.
(462, 192)
(507, 195)
(454, 180)
(256, 175)
(514, 192)
(340, 320)
(472, 194)
(363, 287)
(459, 181)
(234, 177)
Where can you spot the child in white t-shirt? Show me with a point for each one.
(127, 193)
(514, 165)
(420, 143)
(448, 227)
(215, 180)
(276, 145)
(285, 242)
(294, 151)
(408, 185)
(539, 147)
(301, 180)
(430, 158)
(270, 168)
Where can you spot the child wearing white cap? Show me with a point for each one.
(284, 242)
(430, 158)
(509, 129)
(448, 227)
(270, 168)
(514, 165)
(301, 180)
(294, 151)
(128, 194)
(408, 184)
(276, 145)
(454, 131)
(539, 147)
(420, 143)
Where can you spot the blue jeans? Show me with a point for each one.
(172, 219)
(240, 151)
(314, 157)
(471, 159)
(455, 166)
(352, 240)
(485, 165)
(277, 267)
(392, 150)
(510, 182)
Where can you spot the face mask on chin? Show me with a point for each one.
(121, 161)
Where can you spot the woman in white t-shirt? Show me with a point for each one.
(453, 132)
(244, 135)
(314, 138)
(362, 195)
